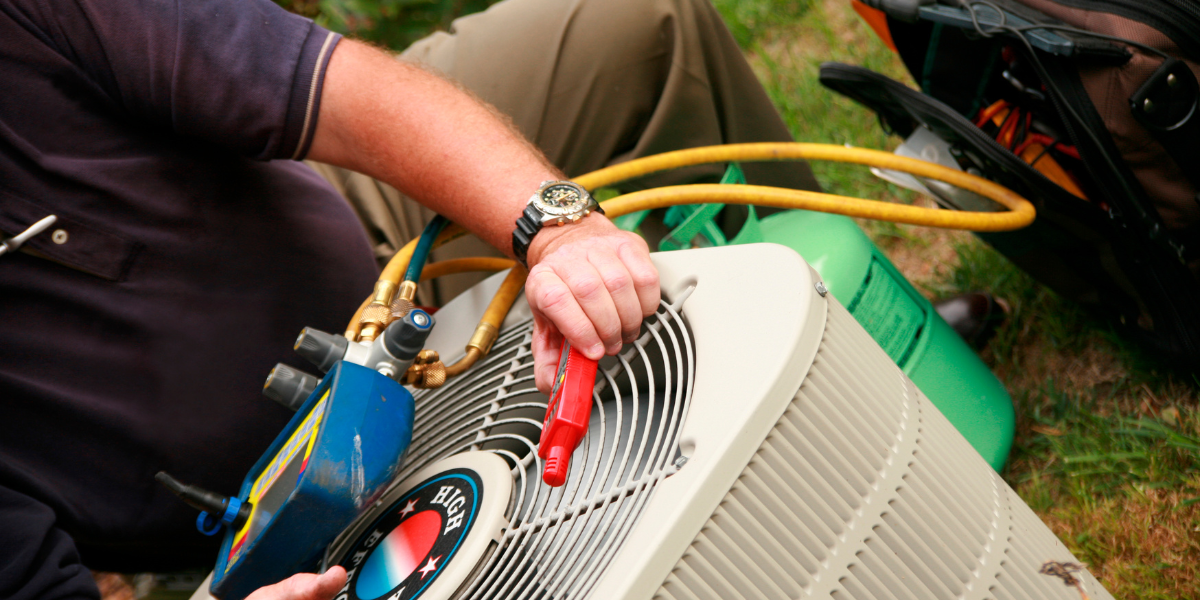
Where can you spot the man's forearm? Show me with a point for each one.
(432, 141)
(589, 283)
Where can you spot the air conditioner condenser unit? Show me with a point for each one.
(755, 442)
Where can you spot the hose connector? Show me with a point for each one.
(378, 313)
(485, 335)
(401, 307)
(403, 303)
(488, 329)
(426, 372)
(408, 290)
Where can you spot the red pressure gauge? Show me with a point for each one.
(567, 414)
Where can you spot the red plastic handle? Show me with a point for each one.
(567, 414)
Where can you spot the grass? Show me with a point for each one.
(1107, 449)
(790, 72)
(786, 52)
(1122, 492)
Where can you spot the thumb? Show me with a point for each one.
(547, 343)
(304, 586)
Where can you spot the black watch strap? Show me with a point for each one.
(528, 225)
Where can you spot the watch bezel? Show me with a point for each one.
(537, 215)
(551, 211)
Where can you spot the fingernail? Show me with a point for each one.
(595, 352)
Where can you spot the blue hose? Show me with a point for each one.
(421, 253)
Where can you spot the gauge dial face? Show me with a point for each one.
(561, 199)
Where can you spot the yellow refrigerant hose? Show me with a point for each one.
(1020, 212)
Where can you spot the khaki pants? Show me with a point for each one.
(591, 83)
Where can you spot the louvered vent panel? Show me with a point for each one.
(862, 491)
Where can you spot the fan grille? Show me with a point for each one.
(560, 540)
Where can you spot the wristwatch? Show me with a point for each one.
(555, 202)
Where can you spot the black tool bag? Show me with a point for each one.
(1110, 125)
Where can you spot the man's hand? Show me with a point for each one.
(304, 586)
(590, 283)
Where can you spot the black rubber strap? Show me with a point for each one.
(528, 225)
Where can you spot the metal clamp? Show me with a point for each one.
(13, 243)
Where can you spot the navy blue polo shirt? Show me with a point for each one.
(137, 339)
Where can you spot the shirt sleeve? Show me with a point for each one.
(245, 74)
(38, 561)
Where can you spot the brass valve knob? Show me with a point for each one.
(374, 319)
(401, 307)
(426, 372)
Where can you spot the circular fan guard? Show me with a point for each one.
(559, 540)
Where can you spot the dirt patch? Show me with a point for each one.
(1092, 369)
(1147, 542)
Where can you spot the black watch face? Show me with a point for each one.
(561, 199)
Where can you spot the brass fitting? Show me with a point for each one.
(401, 307)
(378, 313)
(374, 319)
(426, 372)
(480, 344)
(384, 292)
(485, 335)
(408, 290)
(403, 303)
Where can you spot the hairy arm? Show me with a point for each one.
(588, 282)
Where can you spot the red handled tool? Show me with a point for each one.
(567, 414)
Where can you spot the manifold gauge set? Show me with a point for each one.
(754, 442)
